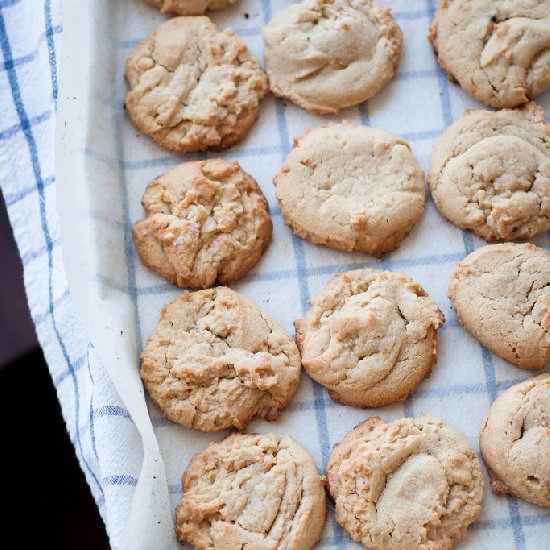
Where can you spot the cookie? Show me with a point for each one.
(411, 483)
(501, 294)
(189, 7)
(252, 491)
(369, 337)
(325, 55)
(515, 441)
(216, 360)
(490, 172)
(497, 50)
(193, 87)
(351, 187)
(206, 221)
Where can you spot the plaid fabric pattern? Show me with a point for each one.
(417, 105)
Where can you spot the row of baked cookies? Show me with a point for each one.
(495, 208)
(322, 55)
(352, 188)
(410, 483)
(194, 88)
(216, 360)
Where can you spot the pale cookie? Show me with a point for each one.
(369, 337)
(490, 172)
(325, 55)
(206, 221)
(501, 294)
(193, 87)
(515, 441)
(189, 7)
(497, 50)
(257, 492)
(216, 360)
(351, 187)
(411, 484)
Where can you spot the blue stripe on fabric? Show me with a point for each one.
(307, 272)
(411, 75)
(173, 160)
(267, 10)
(408, 408)
(41, 317)
(421, 136)
(506, 523)
(403, 15)
(519, 537)
(51, 48)
(91, 421)
(112, 410)
(491, 524)
(23, 60)
(13, 198)
(77, 365)
(468, 240)
(489, 371)
(29, 257)
(16, 128)
(254, 31)
(237, 155)
(119, 480)
(8, 3)
(530, 521)
(364, 113)
(33, 152)
(302, 273)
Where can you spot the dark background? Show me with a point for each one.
(47, 499)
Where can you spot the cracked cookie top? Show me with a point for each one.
(193, 87)
(351, 187)
(408, 484)
(490, 172)
(206, 221)
(515, 441)
(369, 337)
(498, 50)
(325, 55)
(261, 492)
(501, 294)
(189, 7)
(216, 360)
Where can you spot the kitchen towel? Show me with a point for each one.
(417, 105)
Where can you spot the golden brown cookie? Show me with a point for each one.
(206, 221)
(325, 55)
(501, 294)
(193, 87)
(189, 7)
(261, 492)
(216, 360)
(515, 441)
(413, 483)
(490, 172)
(497, 50)
(369, 337)
(351, 187)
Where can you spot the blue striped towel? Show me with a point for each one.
(417, 105)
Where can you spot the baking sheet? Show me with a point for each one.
(103, 165)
